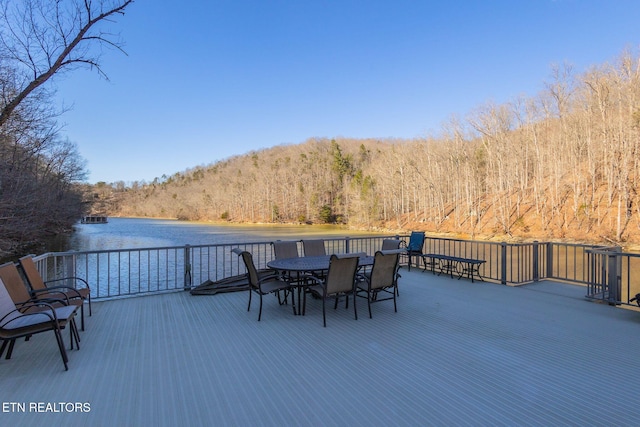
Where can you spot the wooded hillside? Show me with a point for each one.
(562, 164)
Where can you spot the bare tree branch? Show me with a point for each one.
(46, 37)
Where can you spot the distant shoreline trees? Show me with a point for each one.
(563, 164)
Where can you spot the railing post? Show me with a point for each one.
(536, 261)
(346, 245)
(613, 282)
(187, 267)
(503, 263)
(549, 260)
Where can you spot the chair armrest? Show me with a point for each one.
(27, 305)
(36, 300)
(86, 284)
(312, 277)
(51, 313)
(61, 290)
(269, 276)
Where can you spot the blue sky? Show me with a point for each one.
(207, 80)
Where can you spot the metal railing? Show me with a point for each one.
(614, 276)
(128, 272)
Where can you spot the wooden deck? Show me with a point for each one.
(456, 353)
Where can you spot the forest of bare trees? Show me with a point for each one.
(562, 165)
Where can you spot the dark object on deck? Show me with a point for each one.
(229, 284)
(636, 299)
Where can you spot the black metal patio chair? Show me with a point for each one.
(262, 284)
(382, 280)
(414, 247)
(339, 281)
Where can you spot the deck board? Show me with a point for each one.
(455, 353)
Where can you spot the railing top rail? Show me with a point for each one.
(613, 250)
(161, 248)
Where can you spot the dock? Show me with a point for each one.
(94, 219)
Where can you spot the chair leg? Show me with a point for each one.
(4, 346)
(369, 302)
(74, 334)
(355, 309)
(324, 314)
(10, 349)
(82, 316)
(63, 352)
(89, 299)
(260, 311)
(304, 302)
(250, 293)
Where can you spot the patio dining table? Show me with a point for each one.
(310, 264)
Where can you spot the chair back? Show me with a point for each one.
(252, 273)
(342, 274)
(13, 282)
(388, 244)
(383, 272)
(314, 247)
(285, 249)
(32, 274)
(6, 306)
(416, 241)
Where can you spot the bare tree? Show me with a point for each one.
(41, 38)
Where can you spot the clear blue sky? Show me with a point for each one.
(206, 80)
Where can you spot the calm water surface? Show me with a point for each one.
(127, 233)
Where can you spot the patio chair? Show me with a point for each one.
(414, 247)
(262, 284)
(340, 281)
(42, 289)
(383, 279)
(285, 249)
(390, 244)
(17, 289)
(16, 323)
(314, 247)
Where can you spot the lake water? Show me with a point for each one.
(128, 233)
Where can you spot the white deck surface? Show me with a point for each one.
(455, 353)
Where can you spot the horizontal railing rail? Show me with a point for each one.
(129, 272)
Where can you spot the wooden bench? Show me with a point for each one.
(451, 265)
